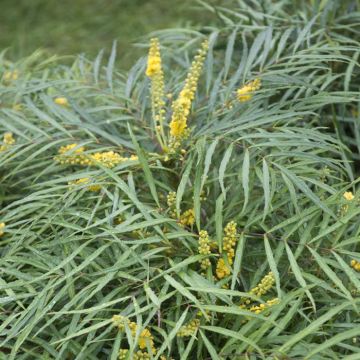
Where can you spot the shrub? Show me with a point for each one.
(149, 216)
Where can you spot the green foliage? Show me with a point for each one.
(277, 164)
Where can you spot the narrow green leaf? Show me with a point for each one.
(222, 168)
(298, 275)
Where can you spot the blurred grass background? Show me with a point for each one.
(69, 27)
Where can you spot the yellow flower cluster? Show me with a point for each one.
(187, 218)
(74, 154)
(84, 181)
(257, 309)
(62, 101)
(204, 248)
(155, 73)
(354, 264)
(182, 106)
(8, 140)
(222, 269)
(2, 228)
(110, 158)
(348, 195)
(10, 75)
(262, 288)
(171, 203)
(74, 148)
(266, 283)
(229, 241)
(189, 329)
(154, 58)
(145, 338)
(246, 92)
(139, 355)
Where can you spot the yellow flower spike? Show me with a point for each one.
(2, 228)
(8, 140)
(266, 283)
(155, 73)
(62, 101)
(222, 270)
(204, 248)
(122, 354)
(171, 203)
(272, 302)
(139, 355)
(154, 58)
(355, 265)
(75, 148)
(257, 309)
(73, 154)
(246, 92)
(182, 105)
(189, 329)
(348, 195)
(119, 321)
(110, 158)
(94, 188)
(10, 75)
(145, 337)
(84, 181)
(187, 218)
(229, 241)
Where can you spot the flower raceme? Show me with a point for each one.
(262, 288)
(145, 338)
(229, 242)
(222, 269)
(257, 309)
(246, 92)
(10, 76)
(181, 106)
(266, 283)
(187, 218)
(154, 58)
(85, 181)
(354, 264)
(138, 355)
(155, 73)
(204, 248)
(73, 154)
(348, 195)
(8, 140)
(62, 101)
(2, 229)
(189, 329)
